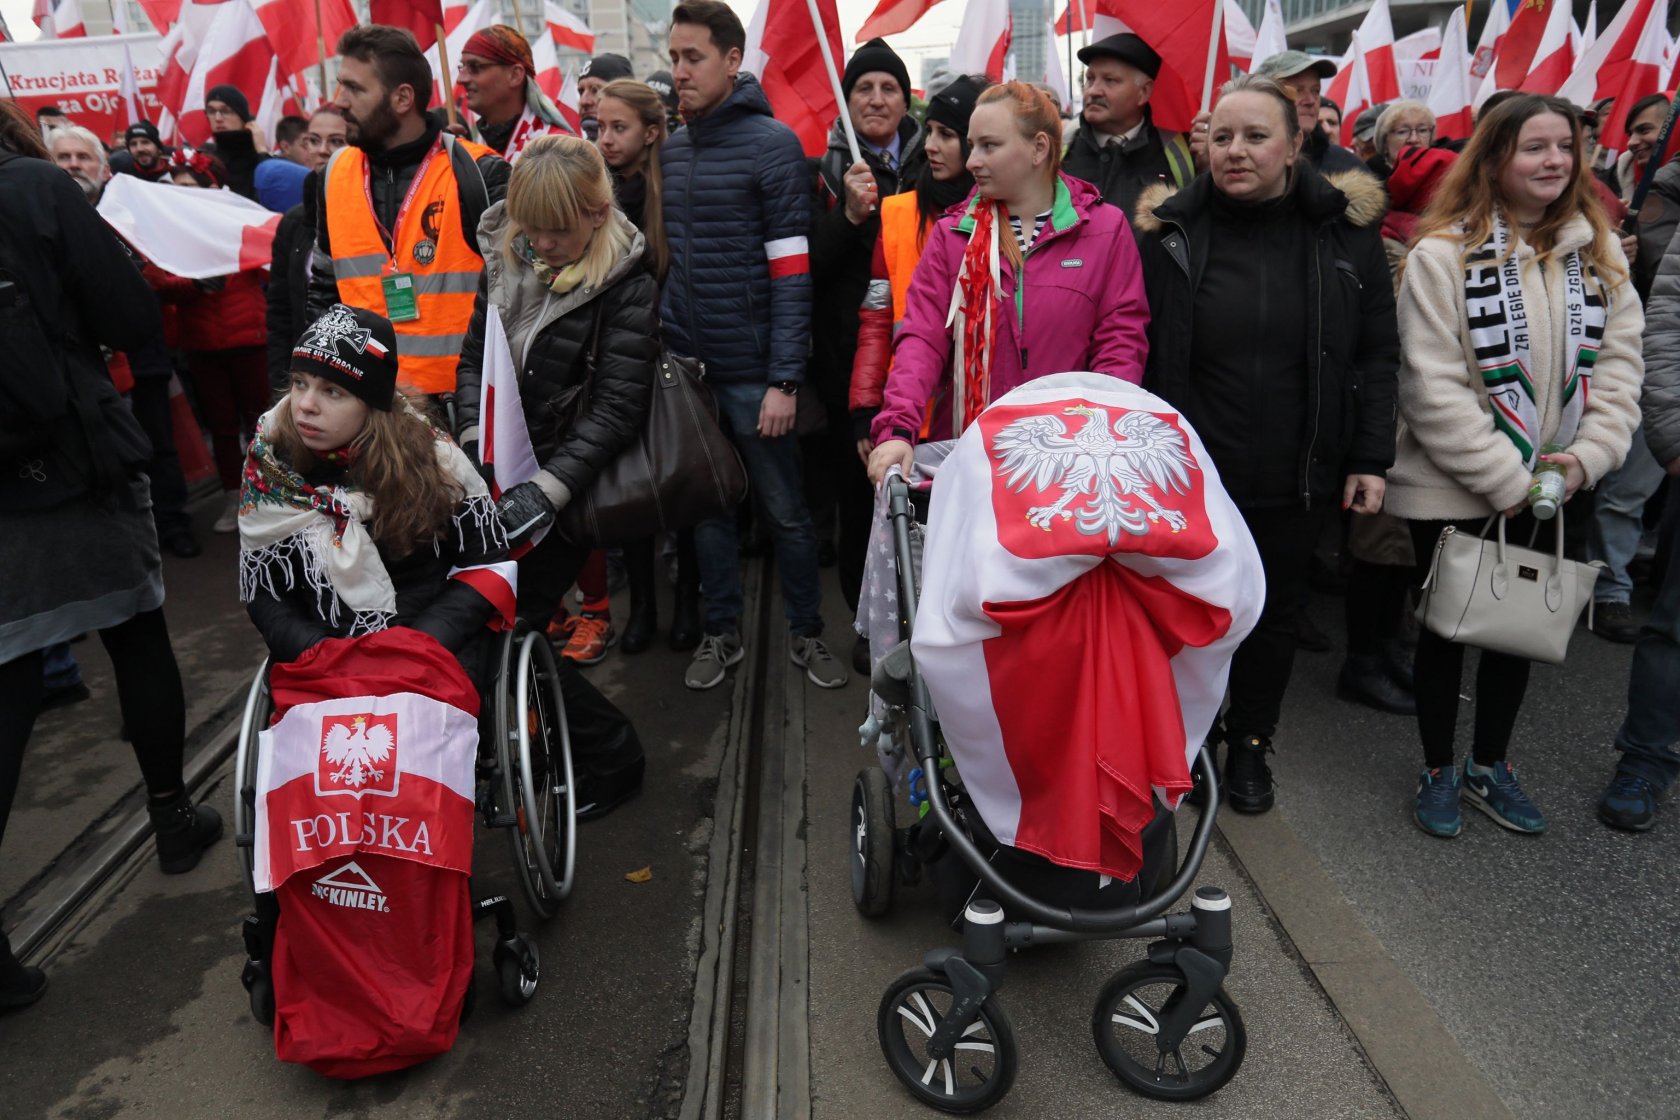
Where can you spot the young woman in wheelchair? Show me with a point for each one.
(357, 514)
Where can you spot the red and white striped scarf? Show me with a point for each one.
(979, 286)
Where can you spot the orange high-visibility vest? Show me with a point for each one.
(427, 244)
(901, 246)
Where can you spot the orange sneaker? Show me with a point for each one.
(591, 635)
(560, 628)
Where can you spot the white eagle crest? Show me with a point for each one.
(1037, 451)
(359, 752)
(338, 325)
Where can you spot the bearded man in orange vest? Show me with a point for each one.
(399, 208)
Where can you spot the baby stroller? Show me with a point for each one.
(1164, 1026)
(522, 782)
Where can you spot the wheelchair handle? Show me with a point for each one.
(921, 725)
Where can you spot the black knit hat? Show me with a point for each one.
(232, 98)
(875, 57)
(660, 82)
(953, 105)
(352, 347)
(607, 67)
(142, 130)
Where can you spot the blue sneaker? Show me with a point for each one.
(1628, 802)
(1436, 808)
(1501, 798)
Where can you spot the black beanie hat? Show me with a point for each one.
(607, 67)
(352, 347)
(875, 56)
(142, 130)
(232, 98)
(953, 105)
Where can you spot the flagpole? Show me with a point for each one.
(519, 20)
(321, 46)
(448, 75)
(834, 79)
(1213, 54)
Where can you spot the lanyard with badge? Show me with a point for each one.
(402, 304)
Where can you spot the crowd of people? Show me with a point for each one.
(1341, 327)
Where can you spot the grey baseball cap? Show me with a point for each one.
(1365, 124)
(1287, 64)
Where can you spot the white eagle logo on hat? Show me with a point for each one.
(1149, 454)
(340, 325)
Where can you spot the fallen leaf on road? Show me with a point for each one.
(643, 875)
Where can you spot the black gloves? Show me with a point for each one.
(485, 470)
(524, 510)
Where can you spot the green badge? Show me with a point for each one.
(400, 303)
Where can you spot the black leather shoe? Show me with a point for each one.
(181, 542)
(1310, 638)
(644, 621)
(862, 663)
(183, 830)
(1248, 780)
(20, 984)
(1365, 680)
(1614, 623)
(596, 797)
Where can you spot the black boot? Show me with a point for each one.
(1365, 680)
(644, 599)
(183, 830)
(685, 612)
(20, 984)
(1248, 780)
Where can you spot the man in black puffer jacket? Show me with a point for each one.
(738, 299)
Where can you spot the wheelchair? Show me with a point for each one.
(524, 786)
(1164, 1026)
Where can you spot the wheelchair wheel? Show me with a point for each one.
(259, 709)
(872, 842)
(1126, 1024)
(534, 754)
(976, 1076)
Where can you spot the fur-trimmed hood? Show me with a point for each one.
(1356, 195)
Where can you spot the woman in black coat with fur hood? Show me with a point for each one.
(1273, 330)
(567, 273)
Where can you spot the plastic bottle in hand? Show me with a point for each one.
(1546, 492)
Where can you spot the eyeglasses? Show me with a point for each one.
(1413, 131)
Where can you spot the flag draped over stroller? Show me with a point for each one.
(364, 825)
(1086, 581)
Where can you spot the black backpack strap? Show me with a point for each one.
(469, 181)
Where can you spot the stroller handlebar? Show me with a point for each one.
(1013, 899)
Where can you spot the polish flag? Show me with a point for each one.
(504, 439)
(1078, 15)
(1376, 39)
(1190, 38)
(1641, 75)
(293, 32)
(568, 30)
(1351, 89)
(1270, 40)
(226, 44)
(892, 16)
(1419, 46)
(1554, 57)
(421, 17)
(1449, 96)
(983, 39)
(1589, 30)
(60, 19)
(1076, 636)
(1603, 69)
(1514, 48)
(560, 85)
(783, 50)
(1494, 29)
(364, 832)
(1240, 35)
(162, 13)
(193, 233)
(1053, 76)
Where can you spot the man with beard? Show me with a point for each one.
(80, 153)
(498, 73)
(397, 231)
(146, 156)
(1118, 149)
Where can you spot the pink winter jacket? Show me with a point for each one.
(1083, 308)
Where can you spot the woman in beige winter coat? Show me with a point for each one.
(1519, 329)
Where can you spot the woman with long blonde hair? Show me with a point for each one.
(1519, 333)
(568, 274)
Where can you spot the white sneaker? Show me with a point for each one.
(228, 522)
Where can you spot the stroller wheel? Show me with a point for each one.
(517, 970)
(260, 988)
(1126, 1024)
(982, 1068)
(872, 842)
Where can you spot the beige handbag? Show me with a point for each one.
(1504, 597)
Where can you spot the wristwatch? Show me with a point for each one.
(791, 388)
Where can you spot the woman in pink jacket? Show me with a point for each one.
(1042, 276)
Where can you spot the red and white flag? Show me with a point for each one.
(567, 30)
(476, 18)
(504, 439)
(1554, 54)
(1515, 40)
(60, 19)
(1074, 630)
(293, 32)
(983, 39)
(892, 16)
(1270, 39)
(421, 17)
(1624, 46)
(128, 88)
(1190, 38)
(190, 232)
(1078, 15)
(1449, 96)
(1589, 30)
(215, 42)
(1494, 29)
(1376, 43)
(784, 51)
(560, 85)
(1240, 35)
(364, 832)
(1351, 89)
